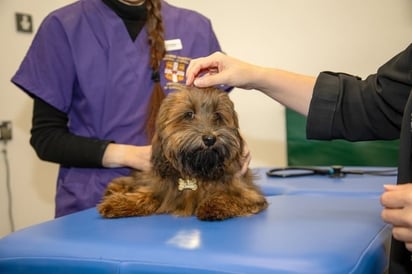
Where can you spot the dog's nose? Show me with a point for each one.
(209, 140)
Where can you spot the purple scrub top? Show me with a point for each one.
(83, 62)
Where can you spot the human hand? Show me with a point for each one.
(397, 200)
(120, 155)
(245, 160)
(219, 69)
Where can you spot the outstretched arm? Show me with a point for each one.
(290, 89)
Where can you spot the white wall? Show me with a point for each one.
(306, 37)
(32, 181)
(303, 36)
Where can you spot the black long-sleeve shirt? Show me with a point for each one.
(379, 107)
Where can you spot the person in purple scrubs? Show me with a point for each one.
(97, 71)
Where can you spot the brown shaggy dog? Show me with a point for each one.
(196, 153)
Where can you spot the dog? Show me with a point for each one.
(196, 158)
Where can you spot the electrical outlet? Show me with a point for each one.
(5, 130)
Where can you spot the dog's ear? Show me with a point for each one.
(228, 108)
(157, 151)
(235, 118)
(160, 165)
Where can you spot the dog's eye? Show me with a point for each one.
(189, 115)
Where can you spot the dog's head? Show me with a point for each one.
(197, 135)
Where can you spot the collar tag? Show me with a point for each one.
(187, 184)
(173, 44)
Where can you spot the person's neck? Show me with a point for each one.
(134, 17)
(132, 2)
(127, 12)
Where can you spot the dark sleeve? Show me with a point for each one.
(53, 142)
(344, 106)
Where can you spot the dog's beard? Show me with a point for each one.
(193, 159)
(205, 163)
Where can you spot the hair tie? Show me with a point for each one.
(156, 76)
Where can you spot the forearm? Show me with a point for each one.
(53, 142)
(119, 155)
(69, 150)
(291, 90)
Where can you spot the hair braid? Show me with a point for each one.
(155, 30)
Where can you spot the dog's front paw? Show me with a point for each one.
(224, 207)
(127, 204)
(216, 210)
(113, 205)
(120, 185)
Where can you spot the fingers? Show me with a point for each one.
(403, 234)
(392, 199)
(203, 68)
(208, 80)
(196, 67)
(397, 200)
(389, 187)
(397, 196)
(247, 157)
(396, 217)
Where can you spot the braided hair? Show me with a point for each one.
(155, 30)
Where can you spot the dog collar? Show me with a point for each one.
(187, 184)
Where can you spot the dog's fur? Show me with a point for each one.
(196, 139)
